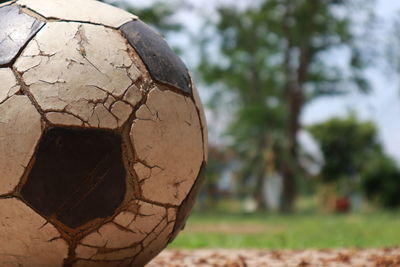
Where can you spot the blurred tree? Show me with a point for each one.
(159, 14)
(271, 59)
(353, 154)
(347, 144)
(217, 162)
(381, 182)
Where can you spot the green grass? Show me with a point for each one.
(301, 231)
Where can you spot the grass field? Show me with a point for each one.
(302, 231)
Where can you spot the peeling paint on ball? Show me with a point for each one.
(102, 144)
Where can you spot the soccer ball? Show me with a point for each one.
(103, 138)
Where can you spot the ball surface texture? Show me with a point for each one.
(103, 138)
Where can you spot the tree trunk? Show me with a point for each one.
(296, 67)
(291, 166)
(291, 93)
(260, 174)
(289, 192)
(259, 190)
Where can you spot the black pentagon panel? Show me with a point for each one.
(187, 205)
(77, 176)
(16, 30)
(163, 64)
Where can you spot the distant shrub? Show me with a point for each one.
(381, 182)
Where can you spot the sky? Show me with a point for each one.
(382, 105)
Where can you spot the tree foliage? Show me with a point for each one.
(381, 182)
(271, 59)
(351, 149)
(347, 144)
(159, 14)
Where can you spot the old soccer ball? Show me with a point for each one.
(102, 136)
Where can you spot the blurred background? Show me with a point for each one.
(303, 106)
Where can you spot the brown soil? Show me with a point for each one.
(388, 257)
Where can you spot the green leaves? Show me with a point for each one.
(381, 182)
(347, 146)
(352, 152)
(158, 15)
(281, 50)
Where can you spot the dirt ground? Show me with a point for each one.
(388, 257)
